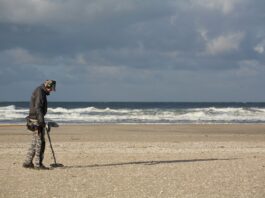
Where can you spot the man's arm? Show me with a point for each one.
(39, 106)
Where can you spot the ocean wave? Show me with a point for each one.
(11, 113)
(141, 115)
(90, 110)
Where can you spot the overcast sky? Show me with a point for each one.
(133, 50)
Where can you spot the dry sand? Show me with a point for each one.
(138, 161)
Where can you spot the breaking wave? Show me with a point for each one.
(90, 115)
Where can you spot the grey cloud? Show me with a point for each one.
(119, 45)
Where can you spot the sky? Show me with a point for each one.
(134, 50)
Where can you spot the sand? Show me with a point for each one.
(138, 161)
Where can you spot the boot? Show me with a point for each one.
(42, 167)
(28, 165)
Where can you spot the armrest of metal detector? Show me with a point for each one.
(49, 125)
(53, 124)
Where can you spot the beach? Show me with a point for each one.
(134, 160)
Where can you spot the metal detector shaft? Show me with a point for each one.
(48, 133)
(48, 128)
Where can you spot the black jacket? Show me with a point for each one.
(38, 105)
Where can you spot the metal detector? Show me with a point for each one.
(48, 127)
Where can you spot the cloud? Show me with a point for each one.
(18, 56)
(65, 12)
(131, 44)
(250, 68)
(224, 43)
(26, 11)
(259, 48)
(226, 6)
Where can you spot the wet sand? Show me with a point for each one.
(138, 161)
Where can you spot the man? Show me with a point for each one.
(38, 109)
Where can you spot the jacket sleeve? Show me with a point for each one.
(39, 103)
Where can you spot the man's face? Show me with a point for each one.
(49, 90)
(50, 85)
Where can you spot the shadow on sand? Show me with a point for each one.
(145, 163)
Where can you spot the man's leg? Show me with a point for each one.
(40, 148)
(31, 152)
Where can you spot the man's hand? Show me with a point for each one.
(47, 127)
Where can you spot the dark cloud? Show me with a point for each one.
(134, 50)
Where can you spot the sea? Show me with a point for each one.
(87, 113)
